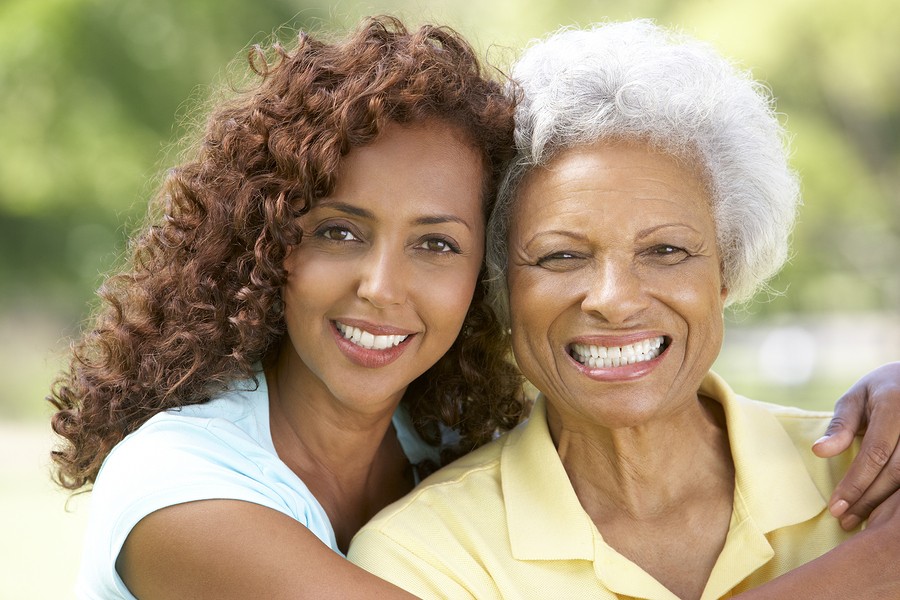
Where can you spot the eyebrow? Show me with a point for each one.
(645, 232)
(349, 209)
(438, 219)
(561, 232)
(364, 213)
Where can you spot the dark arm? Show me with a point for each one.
(865, 566)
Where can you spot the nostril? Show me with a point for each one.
(381, 290)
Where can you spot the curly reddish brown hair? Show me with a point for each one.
(198, 302)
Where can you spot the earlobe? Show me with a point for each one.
(724, 293)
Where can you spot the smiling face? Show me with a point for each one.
(380, 284)
(616, 297)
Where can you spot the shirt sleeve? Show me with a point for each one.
(173, 461)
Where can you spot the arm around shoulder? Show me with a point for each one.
(865, 566)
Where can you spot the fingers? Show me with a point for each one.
(849, 418)
(885, 511)
(874, 474)
(886, 465)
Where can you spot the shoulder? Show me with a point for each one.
(426, 540)
(803, 426)
(225, 431)
(218, 450)
(761, 432)
(452, 490)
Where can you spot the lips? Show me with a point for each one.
(368, 340)
(596, 356)
(366, 348)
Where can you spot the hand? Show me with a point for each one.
(871, 407)
(886, 513)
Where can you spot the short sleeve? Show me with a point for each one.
(174, 460)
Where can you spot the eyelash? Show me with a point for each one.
(449, 244)
(326, 232)
(667, 250)
(557, 260)
(555, 256)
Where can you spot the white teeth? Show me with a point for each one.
(369, 340)
(615, 356)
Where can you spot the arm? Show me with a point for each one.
(865, 566)
(234, 549)
(871, 405)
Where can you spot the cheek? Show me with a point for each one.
(536, 298)
(697, 291)
(447, 296)
(532, 307)
(703, 310)
(311, 281)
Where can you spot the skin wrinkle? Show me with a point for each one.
(631, 475)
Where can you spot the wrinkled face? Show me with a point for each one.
(616, 296)
(380, 284)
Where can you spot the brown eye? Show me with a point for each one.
(337, 234)
(561, 261)
(667, 253)
(439, 246)
(555, 256)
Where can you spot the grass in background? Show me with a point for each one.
(41, 531)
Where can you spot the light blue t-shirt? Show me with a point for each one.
(218, 450)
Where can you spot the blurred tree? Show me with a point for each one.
(90, 89)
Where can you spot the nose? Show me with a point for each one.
(382, 278)
(615, 291)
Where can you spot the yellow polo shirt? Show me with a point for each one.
(504, 521)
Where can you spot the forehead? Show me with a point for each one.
(427, 162)
(624, 178)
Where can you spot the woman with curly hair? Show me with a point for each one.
(296, 326)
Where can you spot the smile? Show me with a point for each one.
(617, 356)
(367, 340)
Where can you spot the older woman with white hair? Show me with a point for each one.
(651, 190)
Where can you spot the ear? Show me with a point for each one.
(723, 293)
(287, 261)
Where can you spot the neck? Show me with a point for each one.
(660, 493)
(351, 460)
(649, 470)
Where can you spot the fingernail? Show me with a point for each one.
(820, 440)
(839, 508)
(850, 522)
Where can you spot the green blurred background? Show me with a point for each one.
(94, 93)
